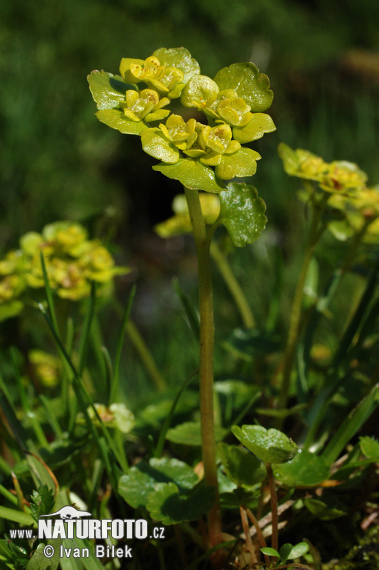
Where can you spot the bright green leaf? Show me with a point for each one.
(270, 446)
(284, 552)
(242, 213)
(252, 86)
(189, 433)
(166, 504)
(115, 119)
(156, 145)
(255, 128)
(141, 479)
(304, 470)
(192, 174)
(107, 90)
(369, 447)
(241, 467)
(270, 551)
(241, 163)
(180, 58)
(298, 550)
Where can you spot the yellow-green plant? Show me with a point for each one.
(204, 155)
(72, 262)
(338, 185)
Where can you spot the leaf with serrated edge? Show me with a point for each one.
(180, 58)
(369, 447)
(141, 479)
(270, 446)
(107, 90)
(242, 213)
(252, 86)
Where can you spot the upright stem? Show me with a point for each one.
(233, 286)
(202, 244)
(295, 315)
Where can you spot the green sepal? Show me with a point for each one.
(241, 163)
(156, 145)
(242, 213)
(270, 446)
(240, 465)
(199, 92)
(189, 433)
(192, 174)
(107, 90)
(252, 86)
(135, 486)
(166, 503)
(115, 119)
(180, 58)
(258, 125)
(305, 470)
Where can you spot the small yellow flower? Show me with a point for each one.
(144, 105)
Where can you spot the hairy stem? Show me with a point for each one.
(202, 244)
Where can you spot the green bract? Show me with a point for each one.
(197, 154)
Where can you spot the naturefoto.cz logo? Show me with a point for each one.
(69, 523)
(76, 524)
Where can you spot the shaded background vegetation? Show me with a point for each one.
(58, 162)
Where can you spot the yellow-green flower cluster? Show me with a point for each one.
(346, 184)
(72, 262)
(340, 177)
(199, 154)
(361, 212)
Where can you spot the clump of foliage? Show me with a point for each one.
(268, 452)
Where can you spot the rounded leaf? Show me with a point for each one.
(156, 145)
(270, 446)
(304, 470)
(241, 467)
(238, 164)
(242, 213)
(141, 479)
(179, 58)
(259, 124)
(192, 174)
(252, 86)
(107, 90)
